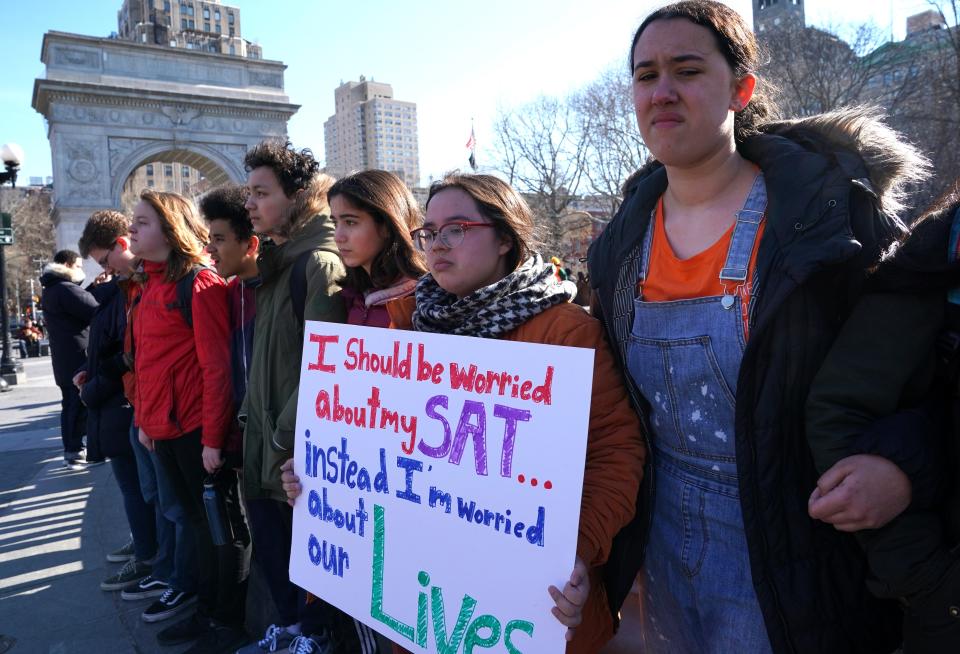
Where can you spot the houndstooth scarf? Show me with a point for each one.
(493, 310)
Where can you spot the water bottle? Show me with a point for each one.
(216, 509)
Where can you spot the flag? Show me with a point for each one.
(472, 147)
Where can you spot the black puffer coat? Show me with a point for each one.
(832, 183)
(108, 411)
(67, 311)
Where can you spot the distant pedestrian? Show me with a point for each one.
(68, 310)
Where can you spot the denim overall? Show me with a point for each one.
(696, 587)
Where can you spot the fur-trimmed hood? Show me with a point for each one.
(893, 163)
(55, 272)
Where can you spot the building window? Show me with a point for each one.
(149, 169)
(168, 170)
(166, 5)
(233, 50)
(219, 29)
(206, 27)
(185, 171)
(191, 23)
(216, 15)
(206, 13)
(231, 32)
(230, 17)
(183, 23)
(150, 183)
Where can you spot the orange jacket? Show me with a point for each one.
(615, 450)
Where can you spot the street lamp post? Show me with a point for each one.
(10, 370)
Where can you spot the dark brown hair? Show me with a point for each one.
(102, 230)
(227, 203)
(385, 197)
(499, 203)
(736, 43)
(182, 228)
(295, 169)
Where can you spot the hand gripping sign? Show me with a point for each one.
(441, 480)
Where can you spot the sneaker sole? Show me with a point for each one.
(146, 594)
(169, 613)
(119, 558)
(119, 585)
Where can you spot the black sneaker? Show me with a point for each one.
(75, 460)
(132, 572)
(218, 639)
(184, 631)
(123, 554)
(172, 602)
(147, 587)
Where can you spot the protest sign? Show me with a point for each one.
(442, 478)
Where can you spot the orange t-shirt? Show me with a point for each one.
(672, 278)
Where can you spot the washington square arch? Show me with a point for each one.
(112, 106)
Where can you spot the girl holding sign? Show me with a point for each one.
(487, 280)
(723, 281)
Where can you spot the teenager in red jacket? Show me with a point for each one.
(184, 403)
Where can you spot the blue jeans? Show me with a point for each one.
(176, 561)
(696, 588)
(140, 514)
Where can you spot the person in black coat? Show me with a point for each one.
(109, 413)
(889, 451)
(68, 309)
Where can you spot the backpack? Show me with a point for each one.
(184, 301)
(298, 281)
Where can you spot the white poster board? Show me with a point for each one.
(442, 478)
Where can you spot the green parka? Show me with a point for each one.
(270, 405)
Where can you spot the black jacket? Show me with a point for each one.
(67, 311)
(108, 411)
(827, 186)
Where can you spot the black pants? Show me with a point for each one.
(73, 419)
(272, 525)
(223, 570)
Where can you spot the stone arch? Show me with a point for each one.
(114, 105)
(213, 164)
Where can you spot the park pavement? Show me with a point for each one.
(57, 526)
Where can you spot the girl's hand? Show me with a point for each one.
(145, 440)
(569, 603)
(211, 459)
(80, 379)
(291, 482)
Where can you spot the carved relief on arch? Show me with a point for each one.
(83, 166)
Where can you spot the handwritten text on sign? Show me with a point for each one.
(441, 479)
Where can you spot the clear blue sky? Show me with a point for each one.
(456, 60)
